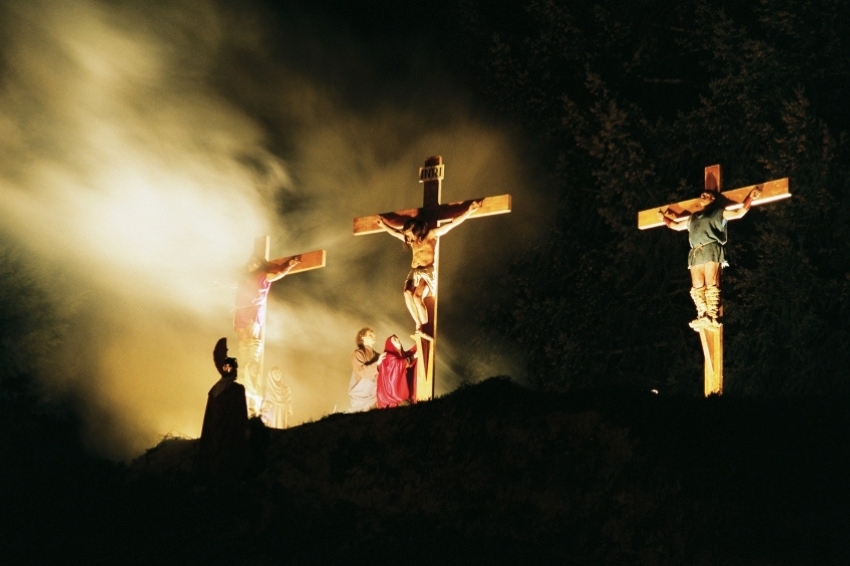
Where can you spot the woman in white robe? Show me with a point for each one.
(362, 388)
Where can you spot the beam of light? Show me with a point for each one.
(125, 166)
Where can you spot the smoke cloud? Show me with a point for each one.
(144, 146)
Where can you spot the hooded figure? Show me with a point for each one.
(277, 400)
(395, 374)
(224, 436)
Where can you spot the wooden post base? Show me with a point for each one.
(424, 383)
(711, 338)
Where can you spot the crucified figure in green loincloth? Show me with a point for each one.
(706, 226)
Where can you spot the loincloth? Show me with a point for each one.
(424, 273)
(712, 252)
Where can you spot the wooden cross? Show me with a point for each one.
(711, 337)
(433, 213)
(252, 349)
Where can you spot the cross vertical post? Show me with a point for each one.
(431, 176)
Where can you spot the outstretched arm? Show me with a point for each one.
(739, 213)
(473, 206)
(283, 270)
(391, 230)
(674, 222)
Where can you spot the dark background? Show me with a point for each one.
(622, 105)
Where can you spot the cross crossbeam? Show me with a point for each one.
(771, 191)
(489, 206)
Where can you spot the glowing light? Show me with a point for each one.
(121, 164)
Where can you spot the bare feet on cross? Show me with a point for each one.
(421, 334)
(704, 322)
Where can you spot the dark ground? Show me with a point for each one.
(492, 473)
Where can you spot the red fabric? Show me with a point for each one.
(251, 301)
(395, 375)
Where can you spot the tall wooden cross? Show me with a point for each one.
(252, 348)
(711, 337)
(433, 213)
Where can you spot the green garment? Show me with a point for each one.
(707, 236)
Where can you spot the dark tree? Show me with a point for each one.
(628, 104)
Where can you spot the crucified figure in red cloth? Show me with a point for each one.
(252, 295)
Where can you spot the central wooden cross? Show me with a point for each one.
(252, 348)
(433, 213)
(711, 337)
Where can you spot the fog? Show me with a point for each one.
(143, 148)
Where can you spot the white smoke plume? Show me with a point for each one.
(143, 147)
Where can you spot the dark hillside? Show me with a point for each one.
(495, 472)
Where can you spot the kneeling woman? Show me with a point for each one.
(364, 373)
(395, 374)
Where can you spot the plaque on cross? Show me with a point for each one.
(249, 316)
(705, 220)
(421, 229)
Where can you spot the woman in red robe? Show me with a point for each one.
(395, 373)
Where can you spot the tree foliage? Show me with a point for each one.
(628, 103)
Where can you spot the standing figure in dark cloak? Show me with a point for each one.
(706, 228)
(394, 373)
(224, 452)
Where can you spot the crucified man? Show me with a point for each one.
(421, 281)
(706, 226)
(252, 294)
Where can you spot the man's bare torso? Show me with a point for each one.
(423, 251)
